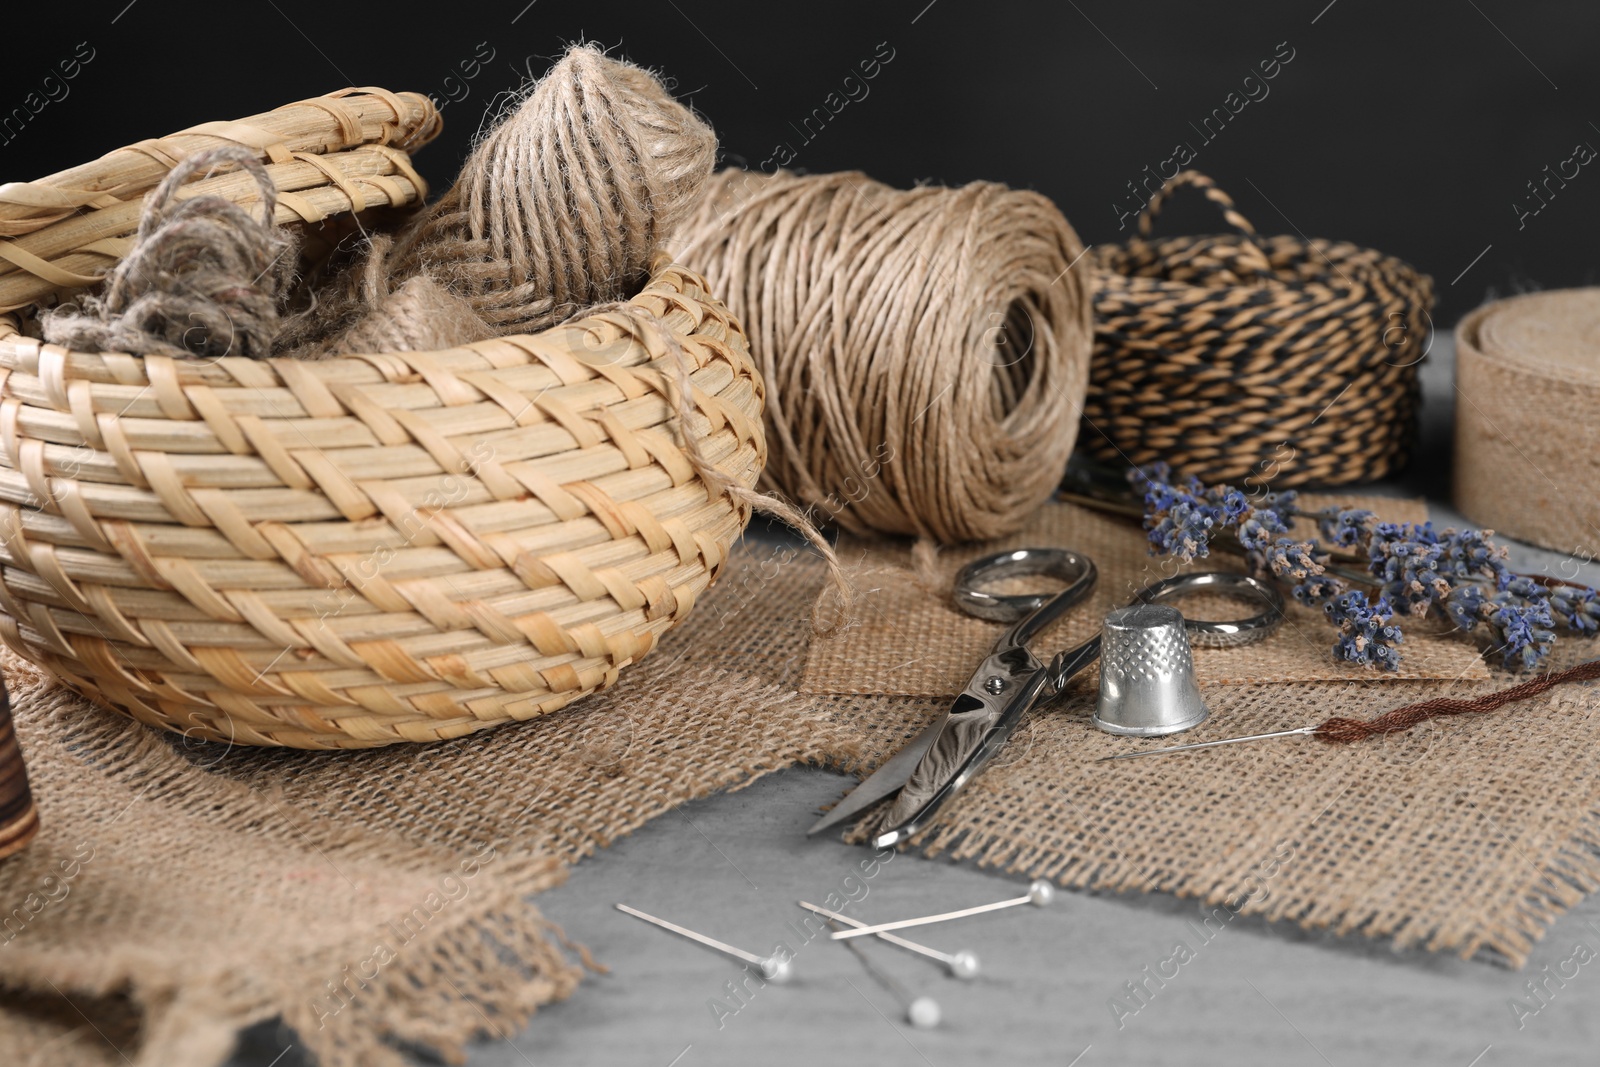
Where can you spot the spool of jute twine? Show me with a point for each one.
(565, 202)
(560, 207)
(925, 351)
(1527, 442)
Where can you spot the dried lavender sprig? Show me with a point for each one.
(1459, 575)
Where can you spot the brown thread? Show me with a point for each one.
(1346, 731)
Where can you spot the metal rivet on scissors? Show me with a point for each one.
(950, 752)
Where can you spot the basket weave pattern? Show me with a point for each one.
(379, 548)
(329, 155)
(1226, 356)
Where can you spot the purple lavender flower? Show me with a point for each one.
(1318, 590)
(1577, 609)
(1522, 623)
(1179, 518)
(1466, 606)
(1233, 504)
(1259, 528)
(1288, 558)
(1406, 557)
(1460, 574)
(1470, 553)
(1367, 634)
(1346, 527)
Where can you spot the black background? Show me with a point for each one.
(1413, 128)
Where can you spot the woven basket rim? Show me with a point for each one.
(13, 334)
(60, 232)
(1159, 246)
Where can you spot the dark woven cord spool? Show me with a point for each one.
(19, 821)
(1233, 355)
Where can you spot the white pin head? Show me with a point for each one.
(924, 1013)
(776, 969)
(964, 965)
(1041, 893)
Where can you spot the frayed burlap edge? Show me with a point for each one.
(499, 953)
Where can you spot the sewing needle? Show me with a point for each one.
(1205, 744)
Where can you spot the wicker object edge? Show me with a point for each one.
(328, 155)
(1234, 355)
(371, 549)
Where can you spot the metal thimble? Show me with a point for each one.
(1147, 685)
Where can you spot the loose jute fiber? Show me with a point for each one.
(205, 276)
(1527, 389)
(416, 315)
(925, 350)
(294, 866)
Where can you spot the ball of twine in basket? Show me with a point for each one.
(417, 314)
(565, 202)
(1288, 360)
(925, 350)
(203, 278)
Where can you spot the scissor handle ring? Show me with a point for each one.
(1222, 634)
(1077, 571)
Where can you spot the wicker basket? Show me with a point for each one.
(1289, 360)
(372, 549)
(329, 156)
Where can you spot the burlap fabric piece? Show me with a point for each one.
(909, 640)
(227, 886)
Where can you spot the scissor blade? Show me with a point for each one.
(883, 781)
(969, 742)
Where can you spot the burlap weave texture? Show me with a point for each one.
(910, 641)
(228, 886)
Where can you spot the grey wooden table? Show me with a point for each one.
(733, 865)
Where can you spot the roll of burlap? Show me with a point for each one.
(925, 351)
(564, 203)
(1527, 440)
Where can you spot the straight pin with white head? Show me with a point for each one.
(960, 964)
(1040, 894)
(922, 1012)
(772, 968)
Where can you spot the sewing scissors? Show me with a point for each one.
(953, 749)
